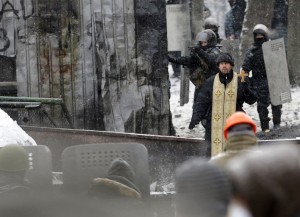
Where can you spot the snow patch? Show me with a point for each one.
(12, 133)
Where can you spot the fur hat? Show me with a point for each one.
(225, 57)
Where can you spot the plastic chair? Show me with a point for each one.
(39, 173)
(82, 163)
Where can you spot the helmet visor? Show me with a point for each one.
(203, 36)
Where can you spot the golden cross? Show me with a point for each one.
(217, 141)
(243, 74)
(218, 93)
(217, 117)
(230, 93)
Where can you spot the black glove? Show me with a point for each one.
(172, 59)
(198, 48)
(246, 85)
(192, 125)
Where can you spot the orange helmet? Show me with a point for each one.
(238, 118)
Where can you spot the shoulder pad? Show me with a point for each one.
(215, 51)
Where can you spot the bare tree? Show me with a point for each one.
(293, 47)
(197, 16)
(257, 12)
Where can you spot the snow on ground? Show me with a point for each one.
(12, 133)
(182, 114)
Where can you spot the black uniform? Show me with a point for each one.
(200, 58)
(202, 109)
(254, 61)
(202, 61)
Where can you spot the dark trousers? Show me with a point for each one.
(263, 101)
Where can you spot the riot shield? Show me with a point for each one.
(185, 79)
(178, 26)
(277, 71)
(232, 47)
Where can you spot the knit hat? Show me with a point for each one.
(203, 188)
(225, 57)
(120, 167)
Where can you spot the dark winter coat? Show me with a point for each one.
(254, 60)
(202, 107)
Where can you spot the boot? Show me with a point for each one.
(276, 112)
(265, 125)
(276, 122)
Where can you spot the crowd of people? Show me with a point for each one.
(246, 180)
(240, 179)
(219, 91)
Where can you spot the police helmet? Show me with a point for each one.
(211, 23)
(207, 35)
(261, 29)
(13, 158)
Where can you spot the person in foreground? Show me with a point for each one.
(239, 133)
(202, 189)
(266, 183)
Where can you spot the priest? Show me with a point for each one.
(221, 95)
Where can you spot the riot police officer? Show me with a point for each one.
(254, 60)
(202, 60)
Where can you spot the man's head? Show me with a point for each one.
(120, 167)
(260, 34)
(206, 38)
(267, 181)
(201, 187)
(225, 63)
(239, 123)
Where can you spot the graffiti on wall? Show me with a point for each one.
(13, 14)
(9, 7)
